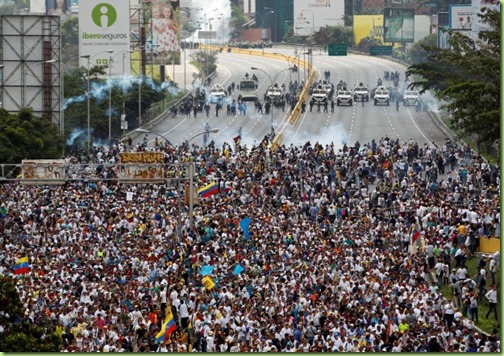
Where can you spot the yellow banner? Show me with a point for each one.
(142, 157)
(208, 283)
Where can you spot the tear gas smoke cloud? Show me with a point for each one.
(221, 26)
(100, 90)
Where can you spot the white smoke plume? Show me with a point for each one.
(218, 10)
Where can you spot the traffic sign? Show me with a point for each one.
(337, 49)
(380, 50)
(207, 35)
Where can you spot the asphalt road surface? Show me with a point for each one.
(347, 124)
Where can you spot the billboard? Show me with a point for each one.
(31, 65)
(477, 5)
(163, 34)
(398, 25)
(37, 7)
(43, 171)
(311, 15)
(367, 25)
(104, 25)
(61, 8)
(461, 17)
(138, 167)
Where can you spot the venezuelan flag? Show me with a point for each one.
(415, 235)
(22, 266)
(167, 328)
(208, 190)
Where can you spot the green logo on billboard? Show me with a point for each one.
(104, 15)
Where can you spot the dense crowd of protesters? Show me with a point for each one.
(329, 264)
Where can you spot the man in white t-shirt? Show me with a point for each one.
(492, 267)
(162, 297)
(439, 273)
(491, 296)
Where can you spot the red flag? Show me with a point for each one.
(416, 235)
(389, 324)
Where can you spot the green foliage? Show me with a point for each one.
(7, 9)
(24, 136)
(9, 302)
(205, 61)
(76, 96)
(466, 77)
(418, 54)
(237, 21)
(70, 39)
(367, 42)
(21, 334)
(334, 34)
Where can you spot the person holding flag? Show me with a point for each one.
(415, 234)
(237, 139)
(22, 266)
(168, 327)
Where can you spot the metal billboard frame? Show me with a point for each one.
(28, 43)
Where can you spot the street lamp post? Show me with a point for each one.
(124, 75)
(310, 53)
(1, 81)
(264, 18)
(110, 101)
(191, 176)
(190, 172)
(140, 99)
(288, 63)
(274, 30)
(208, 41)
(271, 81)
(179, 199)
(313, 20)
(313, 33)
(88, 57)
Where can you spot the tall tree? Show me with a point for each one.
(21, 333)
(417, 53)
(25, 136)
(70, 39)
(466, 78)
(237, 21)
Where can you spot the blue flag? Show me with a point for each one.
(238, 269)
(244, 224)
(206, 270)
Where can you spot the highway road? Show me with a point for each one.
(347, 124)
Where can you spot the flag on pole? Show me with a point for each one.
(167, 328)
(244, 224)
(22, 266)
(209, 189)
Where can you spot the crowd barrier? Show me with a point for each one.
(489, 245)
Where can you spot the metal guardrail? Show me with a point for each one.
(56, 173)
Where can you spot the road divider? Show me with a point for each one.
(294, 114)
